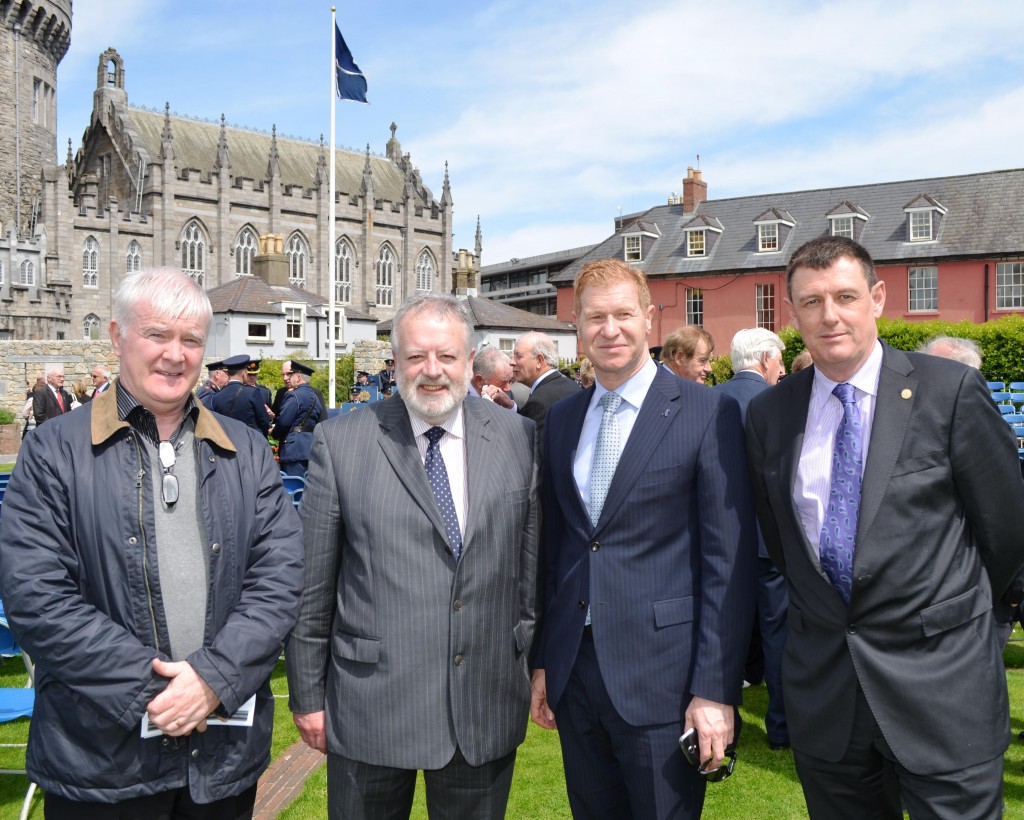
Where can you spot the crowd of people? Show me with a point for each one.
(610, 559)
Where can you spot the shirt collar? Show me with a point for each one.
(634, 389)
(140, 417)
(865, 379)
(455, 424)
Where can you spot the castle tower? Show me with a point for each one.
(34, 37)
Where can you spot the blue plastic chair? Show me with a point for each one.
(293, 483)
(999, 396)
(1006, 409)
(18, 703)
(1016, 387)
(997, 385)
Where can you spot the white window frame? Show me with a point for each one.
(297, 251)
(506, 346)
(27, 273)
(923, 289)
(633, 248)
(344, 259)
(764, 305)
(768, 237)
(920, 225)
(37, 92)
(193, 252)
(246, 245)
(695, 306)
(425, 271)
(697, 243)
(294, 322)
(1009, 285)
(90, 263)
(133, 257)
(257, 337)
(842, 226)
(384, 269)
(91, 328)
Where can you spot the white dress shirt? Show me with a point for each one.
(633, 392)
(824, 412)
(453, 451)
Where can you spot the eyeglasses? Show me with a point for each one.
(688, 744)
(169, 489)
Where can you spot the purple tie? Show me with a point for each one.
(839, 529)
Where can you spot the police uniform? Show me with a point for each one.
(387, 377)
(208, 389)
(301, 410)
(261, 389)
(240, 401)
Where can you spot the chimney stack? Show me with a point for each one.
(695, 190)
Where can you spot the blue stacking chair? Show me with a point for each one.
(997, 385)
(1016, 387)
(1000, 396)
(293, 483)
(1006, 409)
(17, 702)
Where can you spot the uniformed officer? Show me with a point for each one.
(239, 401)
(216, 378)
(252, 372)
(387, 375)
(301, 409)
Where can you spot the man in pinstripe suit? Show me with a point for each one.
(650, 583)
(410, 651)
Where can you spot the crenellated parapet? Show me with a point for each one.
(48, 25)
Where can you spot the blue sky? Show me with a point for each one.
(554, 115)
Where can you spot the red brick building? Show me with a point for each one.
(947, 248)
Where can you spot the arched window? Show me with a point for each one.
(385, 270)
(298, 257)
(344, 259)
(133, 258)
(91, 327)
(90, 263)
(193, 252)
(28, 273)
(245, 251)
(425, 271)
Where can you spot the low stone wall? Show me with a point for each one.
(22, 361)
(370, 355)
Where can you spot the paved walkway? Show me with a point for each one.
(284, 780)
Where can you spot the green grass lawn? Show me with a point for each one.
(764, 785)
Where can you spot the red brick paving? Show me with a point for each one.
(284, 780)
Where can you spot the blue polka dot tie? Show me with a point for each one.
(438, 476)
(839, 529)
(607, 449)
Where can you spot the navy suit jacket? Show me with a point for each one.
(553, 388)
(242, 402)
(669, 570)
(743, 387)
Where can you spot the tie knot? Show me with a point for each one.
(434, 435)
(610, 401)
(846, 393)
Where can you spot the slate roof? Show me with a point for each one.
(251, 294)
(984, 218)
(491, 315)
(195, 146)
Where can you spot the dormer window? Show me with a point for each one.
(768, 237)
(638, 239)
(847, 219)
(701, 233)
(773, 226)
(696, 243)
(924, 218)
(843, 226)
(634, 250)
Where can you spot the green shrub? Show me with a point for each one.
(6, 416)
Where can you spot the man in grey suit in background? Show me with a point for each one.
(411, 648)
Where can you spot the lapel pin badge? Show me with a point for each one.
(665, 414)
(906, 393)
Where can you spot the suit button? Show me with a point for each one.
(595, 546)
(215, 549)
(457, 606)
(195, 754)
(581, 604)
(458, 660)
(851, 629)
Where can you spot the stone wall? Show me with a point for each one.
(22, 361)
(370, 355)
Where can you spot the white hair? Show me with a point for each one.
(750, 344)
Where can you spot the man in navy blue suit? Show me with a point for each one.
(239, 401)
(757, 362)
(650, 567)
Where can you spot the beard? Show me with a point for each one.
(434, 409)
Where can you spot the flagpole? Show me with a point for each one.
(331, 266)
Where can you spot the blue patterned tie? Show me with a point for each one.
(607, 449)
(839, 529)
(438, 476)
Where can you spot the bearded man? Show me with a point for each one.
(411, 649)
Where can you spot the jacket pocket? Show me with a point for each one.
(952, 613)
(354, 648)
(673, 611)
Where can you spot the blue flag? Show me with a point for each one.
(351, 82)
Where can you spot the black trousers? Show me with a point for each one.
(172, 805)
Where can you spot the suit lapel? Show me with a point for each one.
(792, 426)
(657, 414)
(481, 462)
(897, 391)
(562, 454)
(399, 446)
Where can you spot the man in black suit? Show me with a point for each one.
(889, 495)
(238, 400)
(757, 362)
(51, 400)
(252, 374)
(535, 364)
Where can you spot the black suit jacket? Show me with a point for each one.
(44, 404)
(242, 402)
(551, 389)
(942, 512)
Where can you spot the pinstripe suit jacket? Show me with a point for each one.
(411, 653)
(669, 570)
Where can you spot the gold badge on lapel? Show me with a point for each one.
(906, 393)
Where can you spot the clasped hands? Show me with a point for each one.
(185, 704)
